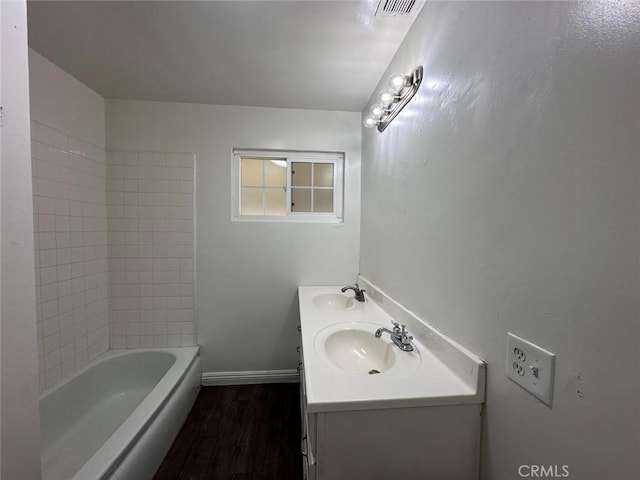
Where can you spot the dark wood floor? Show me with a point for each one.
(248, 432)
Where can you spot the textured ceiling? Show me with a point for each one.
(308, 54)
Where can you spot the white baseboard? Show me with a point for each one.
(247, 378)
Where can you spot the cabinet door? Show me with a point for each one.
(310, 437)
(303, 408)
(303, 391)
(309, 471)
(308, 446)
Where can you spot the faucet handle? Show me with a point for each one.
(405, 338)
(396, 327)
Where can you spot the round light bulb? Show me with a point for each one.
(397, 82)
(387, 97)
(377, 110)
(369, 121)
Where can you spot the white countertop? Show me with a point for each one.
(432, 383)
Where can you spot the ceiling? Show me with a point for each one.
(325, 55)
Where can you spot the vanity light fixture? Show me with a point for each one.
(392, 100)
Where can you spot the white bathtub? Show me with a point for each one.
(117, 417)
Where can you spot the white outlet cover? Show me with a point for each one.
(531, 367)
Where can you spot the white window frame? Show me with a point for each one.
(335, 158)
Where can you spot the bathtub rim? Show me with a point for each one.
(103, 357)
(108, 457)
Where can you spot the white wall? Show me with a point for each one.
(19, 436)
(505, 197)
(247, 273)
(61, 101)
(70, 221)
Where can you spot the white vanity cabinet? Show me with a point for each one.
(438, 442)
(399, 424)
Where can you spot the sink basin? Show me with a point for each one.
(353, 347)
(333, 301)
(359, 351)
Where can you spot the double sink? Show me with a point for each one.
(361, 392)
(346, 366)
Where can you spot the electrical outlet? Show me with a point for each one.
(531, 367)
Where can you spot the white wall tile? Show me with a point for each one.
(69, 178)
(150, 286)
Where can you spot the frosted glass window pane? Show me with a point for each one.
(251, 172)
(300, 200)
(301, 174)
(323, 175)
(323, 200)
(277, 184)
(276, 201)
(251, 201)
(275, 174)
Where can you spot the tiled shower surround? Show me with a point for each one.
(151, 238)
(70, 230)
(111, 230)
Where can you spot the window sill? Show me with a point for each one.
(288, 219)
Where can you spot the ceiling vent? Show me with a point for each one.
(392, 8)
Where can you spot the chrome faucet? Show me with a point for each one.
(359, 293)
(399, 336)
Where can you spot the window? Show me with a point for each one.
(287, 186)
